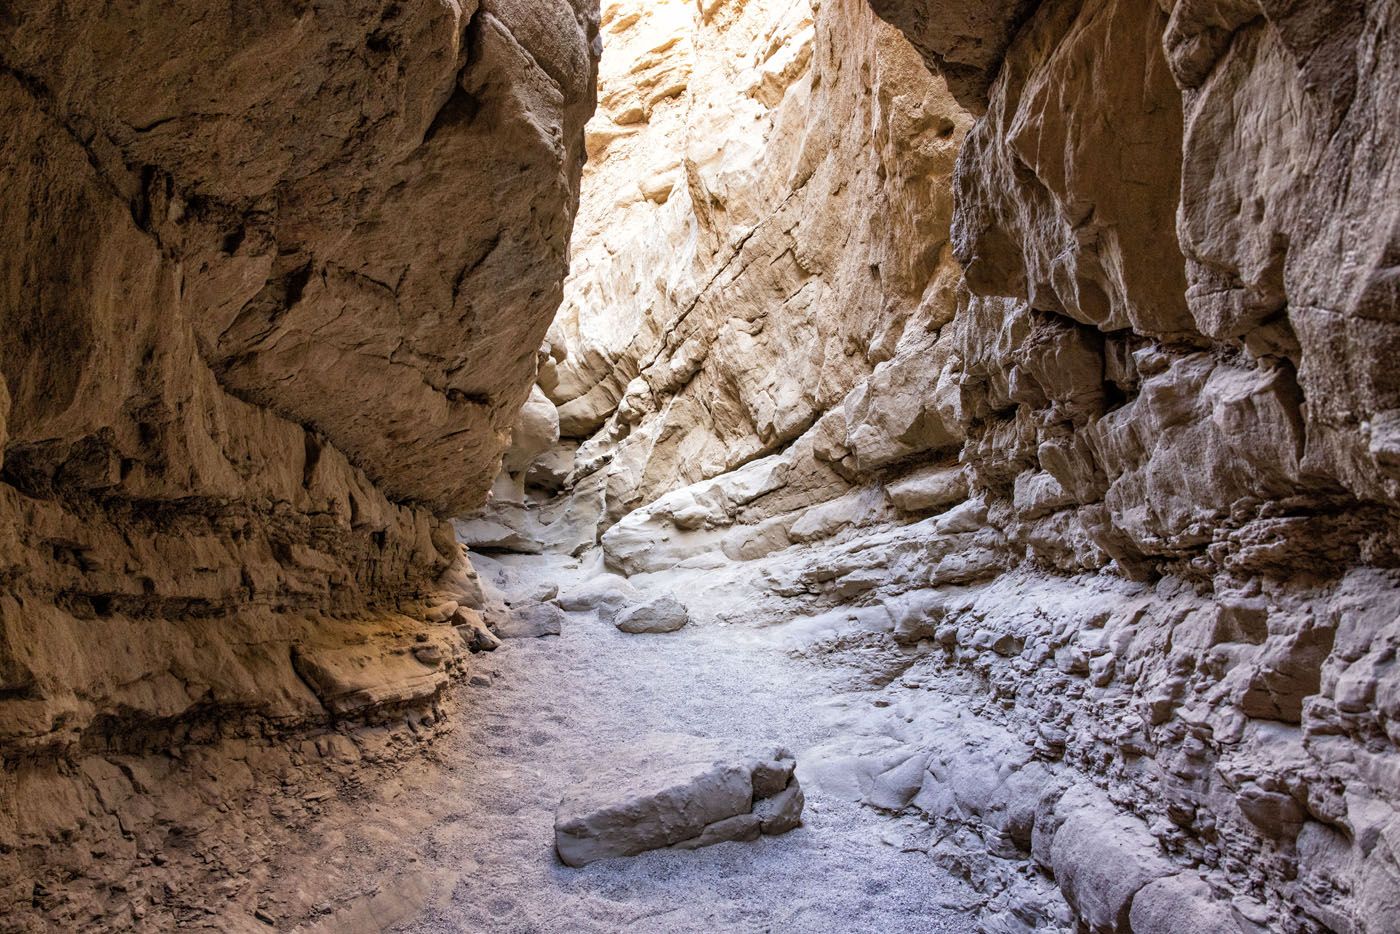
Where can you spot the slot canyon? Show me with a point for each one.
(666, 466)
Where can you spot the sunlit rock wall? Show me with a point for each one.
(1087, 442)
(755, 243)
(267, 280)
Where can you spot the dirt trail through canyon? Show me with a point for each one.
(558, 706)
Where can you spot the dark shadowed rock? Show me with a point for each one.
(963, 40)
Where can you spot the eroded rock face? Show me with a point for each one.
(1083, 444)
(760, 243)
(268, 281)
(263, 323)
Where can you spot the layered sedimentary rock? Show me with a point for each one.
(262, 324)
(268, 274)
(1086, 444)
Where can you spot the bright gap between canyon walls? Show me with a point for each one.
(967, 427)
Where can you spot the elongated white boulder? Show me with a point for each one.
(677, 791)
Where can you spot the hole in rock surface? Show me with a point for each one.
(735, 465)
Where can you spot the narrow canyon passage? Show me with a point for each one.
(843, 466)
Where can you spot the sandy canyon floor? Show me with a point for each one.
(469, 845)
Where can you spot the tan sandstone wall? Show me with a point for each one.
(1087, 441)
(267, 276)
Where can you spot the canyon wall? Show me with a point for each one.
(1041, 362)
(268, 275)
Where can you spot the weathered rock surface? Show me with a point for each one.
(262, 327)
(662, 614)
(532, 621)
(267, 281)
(605, 593)
(1041, 368)
(672, 374)
(677, 791)
(1078, 427)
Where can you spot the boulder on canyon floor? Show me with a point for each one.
(605, 593)
(664, 614)
(678, 791)
(532, 621)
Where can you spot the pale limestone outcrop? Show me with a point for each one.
(1094, 455)
(273, 288)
